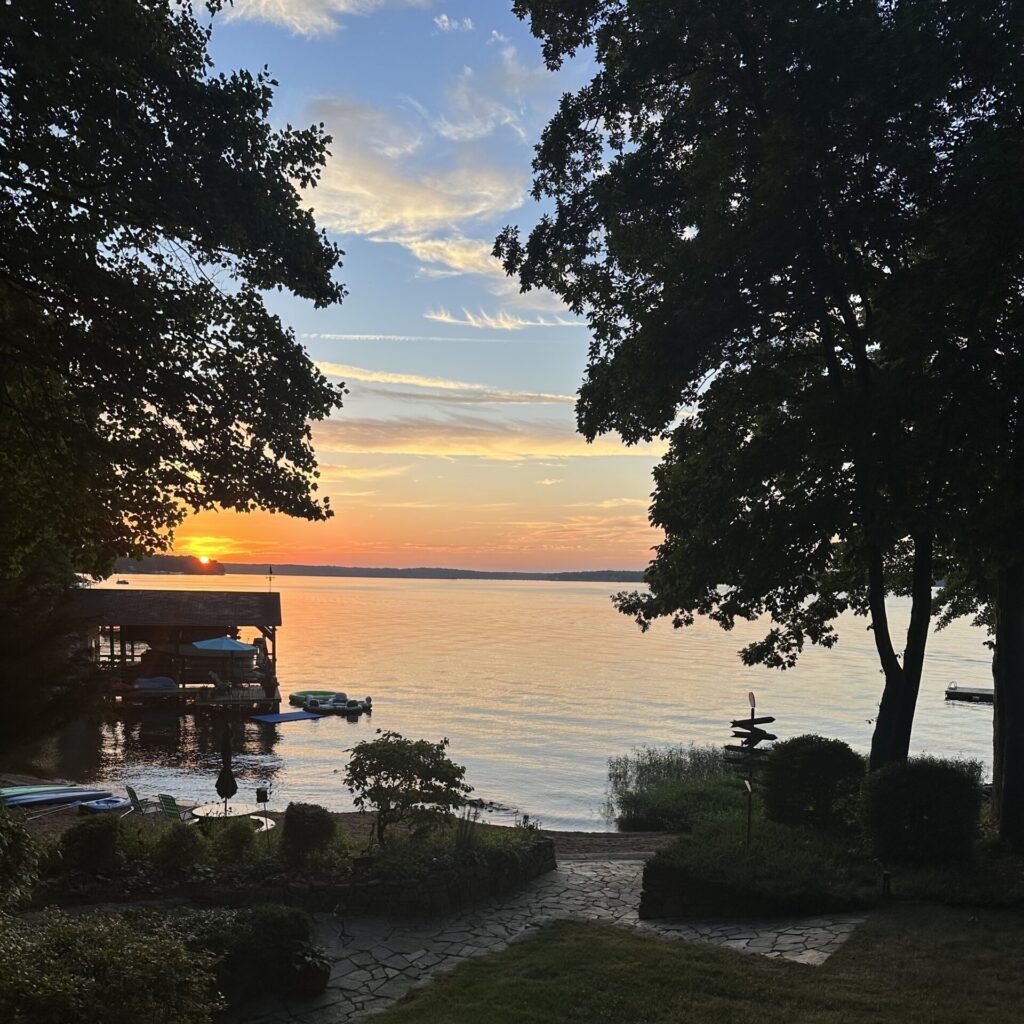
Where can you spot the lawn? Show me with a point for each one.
(908, 964)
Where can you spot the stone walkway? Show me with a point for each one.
(376, 960)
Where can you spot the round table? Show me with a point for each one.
(234, 810)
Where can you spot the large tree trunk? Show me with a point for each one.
(890, 742)
(1008, 722)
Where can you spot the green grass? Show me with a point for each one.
(912, 965)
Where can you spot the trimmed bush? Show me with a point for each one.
(254, 950)
(786, 870)
(234, 840)
(308, 830)
(179, 848)
(92, 845)
(923, 812)
(18, 860)
(98, 969)
(811, 780)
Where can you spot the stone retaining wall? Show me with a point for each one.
(447, 890)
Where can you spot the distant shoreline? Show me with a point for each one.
(188, 566)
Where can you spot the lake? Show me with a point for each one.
(535, 684)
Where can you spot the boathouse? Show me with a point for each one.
(153, 632)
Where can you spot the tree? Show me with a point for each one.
(404, 780)
(767, 214)
(146, 205)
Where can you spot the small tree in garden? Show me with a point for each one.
(403, 780)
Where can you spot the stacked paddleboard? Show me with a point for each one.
(50, 796)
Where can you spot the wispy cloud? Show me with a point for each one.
(369, 187)
(332, 474)
(446, 24)
(456, 390)
(549, 482)
(463, 435)
(611, 503)
(500, 321)
(304, 17)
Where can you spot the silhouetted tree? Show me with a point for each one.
(777, 219)
(145, 206)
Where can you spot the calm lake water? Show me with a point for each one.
(535, 684)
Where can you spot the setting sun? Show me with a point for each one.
(204, 559)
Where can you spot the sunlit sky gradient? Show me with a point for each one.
(457, 444)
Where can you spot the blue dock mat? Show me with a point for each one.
(288, 716)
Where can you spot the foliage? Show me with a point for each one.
(308, 829)
(234, 841)
(785, 870)
(147, 205)
(925, 811)
(668, 788)
(179, 848)
(18, 860)
(91, 846)
(820, 269)
(98, 969)
(811, 780)
(251, 948)
(405, 781)
(915, 965)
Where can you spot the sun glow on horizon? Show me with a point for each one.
(204, 559)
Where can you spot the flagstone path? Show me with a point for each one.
(377, 960)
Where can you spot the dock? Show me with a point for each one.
(970, 694)
(183, 648)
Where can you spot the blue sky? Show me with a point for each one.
(456, 445)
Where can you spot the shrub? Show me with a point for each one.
(405, 781)
(234, 840)
(18, 860)
(92, 846)
(179, 848)
(670, 788)
(249, 946)
(925, 811)
(98, 969)
(308, 830)
(677, 806)
(785, 870)
(809, 780)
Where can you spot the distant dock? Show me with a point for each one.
(970, 694)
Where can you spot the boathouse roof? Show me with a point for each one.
(176, 608)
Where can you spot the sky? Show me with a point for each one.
(456, 445)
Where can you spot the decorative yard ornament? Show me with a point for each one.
(745, 754)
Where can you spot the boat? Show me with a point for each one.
(299, 697)
(339, 704)
(122, 583)
(105, 804)
(56, 797)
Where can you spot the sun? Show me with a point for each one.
(204, 559)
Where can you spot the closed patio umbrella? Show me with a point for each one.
(226, 785)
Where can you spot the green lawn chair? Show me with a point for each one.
(171, 810)
(138, 807)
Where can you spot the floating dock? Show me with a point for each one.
(970, 694)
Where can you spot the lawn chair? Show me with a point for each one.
(138, 807)
(171, 810)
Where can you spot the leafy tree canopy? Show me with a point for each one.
(146, 205)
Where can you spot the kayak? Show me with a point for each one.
(68, 795)
(109, 803)
(25, 790)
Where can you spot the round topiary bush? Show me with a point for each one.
(91, 846)
(308, 829)
(809, 779)
(179, 848)
(925, 811)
